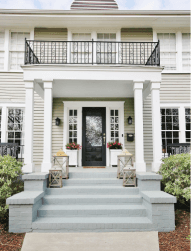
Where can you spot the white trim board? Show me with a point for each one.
(78, 105)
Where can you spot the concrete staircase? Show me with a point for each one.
(92, 201)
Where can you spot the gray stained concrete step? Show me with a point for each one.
(92, 211)
(93, 175)
(108, 190)
(137, 241)
(92, 199)
(76, 224)
(91, 182)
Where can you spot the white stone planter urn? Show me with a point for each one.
(73, 157)
(113, 153)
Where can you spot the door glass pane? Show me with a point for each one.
(94, 130)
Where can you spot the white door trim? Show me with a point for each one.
(79, 105)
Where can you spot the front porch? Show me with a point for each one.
(66, 88)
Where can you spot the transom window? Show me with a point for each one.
(72, 126)
(168, 50)
(114, 125)
(17, 49)
(169, 128)
(188, 125)
(186, 51)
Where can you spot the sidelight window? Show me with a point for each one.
(72, 126)
(114, 125)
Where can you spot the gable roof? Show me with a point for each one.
(94, 5)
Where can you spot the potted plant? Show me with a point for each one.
(115, 148)
(72, 152)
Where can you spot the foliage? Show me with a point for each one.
(114, 145)
(176, 176)
(10, 184)
(73, 146)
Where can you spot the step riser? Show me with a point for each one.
(93, 191)
(92, 201)
(91, 175)
(92, 183)
(95, 227)
(92, 213)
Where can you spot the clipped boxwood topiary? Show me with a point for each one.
(10, 182)
(176, 172)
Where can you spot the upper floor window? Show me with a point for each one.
(106, 52)
(168, 50)
(186, 53)
(2, 40)
(81, 36)
(17, 49)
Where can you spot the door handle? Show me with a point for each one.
(104, 138)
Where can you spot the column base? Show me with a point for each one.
(28, 168)
(140, 167)
(156, 166)
(45, 167)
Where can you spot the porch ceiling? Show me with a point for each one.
(92, 88)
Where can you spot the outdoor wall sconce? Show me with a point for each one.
(57, 121)
(130, 120)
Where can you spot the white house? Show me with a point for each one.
(93, 67)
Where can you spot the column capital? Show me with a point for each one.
(155, 86)
(138, 85)
(29, 85)
(48, 84)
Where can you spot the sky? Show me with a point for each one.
(123, 4)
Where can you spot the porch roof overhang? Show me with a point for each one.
(92, 80)
(92, 72)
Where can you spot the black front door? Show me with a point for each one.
(94, 136)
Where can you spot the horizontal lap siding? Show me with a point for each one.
(54, 34)
(58, 111)
(175, 88)
(136, 35)
(12, 88)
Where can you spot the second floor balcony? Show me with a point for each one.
(92, 52)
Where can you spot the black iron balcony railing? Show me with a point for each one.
(92, 52)
(175, 148)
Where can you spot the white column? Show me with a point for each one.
(156, 126)
(47, 151)
(140, 165)
(29, 107)
(4, 125)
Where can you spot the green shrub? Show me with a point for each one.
(176, 172)
(10, 183)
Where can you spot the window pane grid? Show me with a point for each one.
(17, 49)
(114, 125)
(168, 50)
(15, 126)
(188, 125)
(72, 126)
(169, 127)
